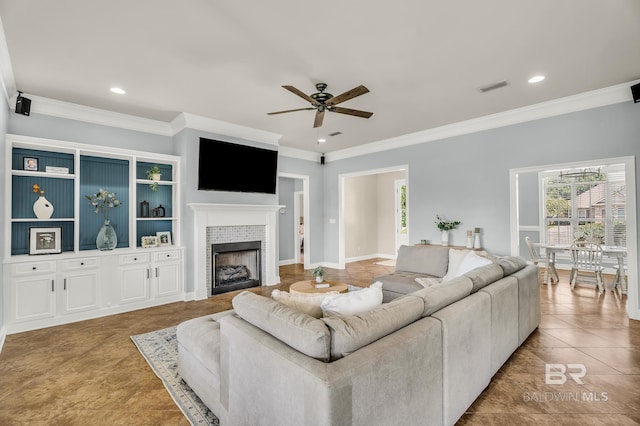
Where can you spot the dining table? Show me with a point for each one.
(617, 252)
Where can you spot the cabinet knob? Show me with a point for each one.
(81, 263)
(135, 258)
(34, 268)
(168, 255)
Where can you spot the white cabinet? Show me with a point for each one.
(135, 276)
(32, 292)
(168, 271)
(80, 285)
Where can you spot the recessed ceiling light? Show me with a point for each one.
(117, 90)
(321, 140)
(536, 79)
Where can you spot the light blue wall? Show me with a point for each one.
(286, 188)
(467, 177)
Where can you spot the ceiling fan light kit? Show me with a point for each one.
(322, 101)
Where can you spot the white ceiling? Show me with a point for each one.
(422, 60)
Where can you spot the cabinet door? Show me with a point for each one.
(33, 297)
(134, 284)
(80, 291)
(168, 279)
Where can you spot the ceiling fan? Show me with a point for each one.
(323, 101)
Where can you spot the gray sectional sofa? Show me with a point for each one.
(421, 358)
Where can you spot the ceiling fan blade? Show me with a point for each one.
(290, 110)
(301, 94)
(357, 91)
(349, 111)
(319, 117)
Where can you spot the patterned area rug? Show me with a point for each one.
(160, 349)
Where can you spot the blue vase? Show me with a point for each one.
(107, 238)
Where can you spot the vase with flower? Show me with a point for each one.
(445, 226)
(103, 201)
(42, 207)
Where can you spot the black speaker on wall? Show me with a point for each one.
(635, 91)
(23, 105)
(322, 159)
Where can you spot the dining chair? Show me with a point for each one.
(586, 262)
(617, 279)
(535, 258)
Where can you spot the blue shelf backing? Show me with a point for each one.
(162, 196)
(20, 235)
(45, 158)
(108, 174)
(150, 227)
(59, 192)
(165, 169)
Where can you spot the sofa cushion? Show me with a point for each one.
(511, 264)
(440, 295)
(201, 337)
(401, 282)
(425, 260)
(297, 329)
(351, 332)
(309, 303)
(428, 281)
(472, 261)
(485, 275)
(353, 302)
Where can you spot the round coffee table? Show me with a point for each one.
(308, 287)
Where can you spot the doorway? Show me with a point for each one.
(295, 236)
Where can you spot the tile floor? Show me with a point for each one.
(91, 373)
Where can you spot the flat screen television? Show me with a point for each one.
(225, 166)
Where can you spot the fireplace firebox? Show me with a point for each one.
(235, 266)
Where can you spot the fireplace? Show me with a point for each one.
(235, 266)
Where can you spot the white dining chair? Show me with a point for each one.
(586, 262)
(542, 263)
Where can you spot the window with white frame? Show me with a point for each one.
(586, 204)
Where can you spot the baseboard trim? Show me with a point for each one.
(3, 335)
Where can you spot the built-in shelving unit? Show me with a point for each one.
(82, 282)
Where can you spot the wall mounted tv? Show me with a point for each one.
(225, 166)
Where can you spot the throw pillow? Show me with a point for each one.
(456, 256)
(428, 281)
(307, 303)
(472, 261)
(354, 302)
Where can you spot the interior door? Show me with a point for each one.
(401, 222)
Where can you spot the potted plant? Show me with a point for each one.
(153, 174)
(445, 226)
(319, 274)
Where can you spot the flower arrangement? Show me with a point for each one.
(446, 225)
(103, 201)
(154, 174)
(318, 272)
(38, 189)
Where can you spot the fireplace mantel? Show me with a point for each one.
(213, 214)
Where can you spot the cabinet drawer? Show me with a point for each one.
(132, 259)
(167, 255)
(81, 263)
(34, 268)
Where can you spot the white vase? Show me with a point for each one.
(445, 238)
(476, 242)
(156, 177)
(319, 279)
(43, 208)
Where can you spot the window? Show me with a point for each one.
(586, 204)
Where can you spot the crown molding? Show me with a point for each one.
(192, 121)
(71, 111)
(300, 154)
(583, 101)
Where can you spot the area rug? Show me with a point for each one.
(160, 349)
(390, 262)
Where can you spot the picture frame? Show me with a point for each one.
(45, 240)
(30, 164)
(164, 238)
(149, 241)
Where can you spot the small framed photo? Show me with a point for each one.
(164, 238)
(45, 240)
(30, 164)
(149, 241)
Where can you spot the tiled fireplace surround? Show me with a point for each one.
(223, 223)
